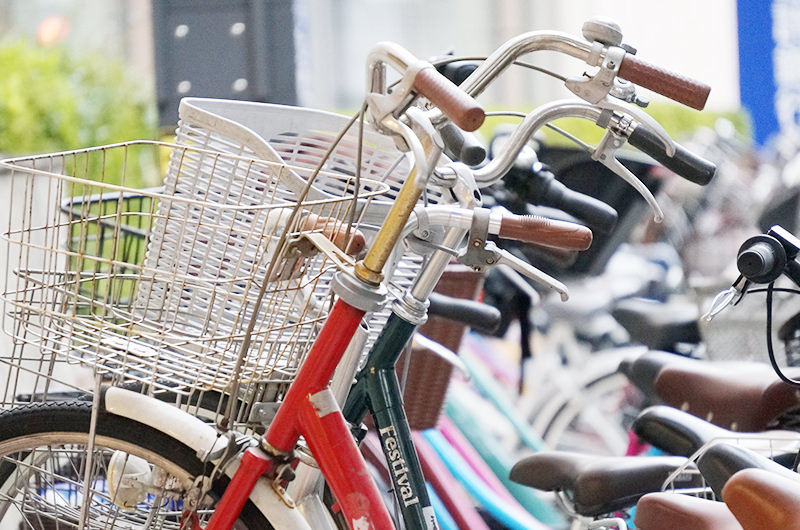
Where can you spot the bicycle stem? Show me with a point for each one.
(370, 269)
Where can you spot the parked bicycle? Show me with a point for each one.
(265, 325)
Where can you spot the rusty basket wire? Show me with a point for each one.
(160, 286)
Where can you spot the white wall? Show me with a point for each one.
(696, 38)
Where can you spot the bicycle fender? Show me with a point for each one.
(203, 438)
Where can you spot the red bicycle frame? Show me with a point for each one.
(311, 411)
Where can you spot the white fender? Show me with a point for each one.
(203, 438)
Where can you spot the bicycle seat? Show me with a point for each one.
(760, 499)
(643, 370)
(596, 485)
(658, 325)
(668, 511)
(742, 396)
(680, 433)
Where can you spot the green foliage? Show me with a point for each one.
(677, 120)
(52, 101)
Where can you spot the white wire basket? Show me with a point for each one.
(688, 479)
(302, 137)
(161, 286)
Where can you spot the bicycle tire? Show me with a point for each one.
(43, 448)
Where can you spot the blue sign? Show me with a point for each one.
(764, 85)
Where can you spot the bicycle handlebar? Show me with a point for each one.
(534, 183)
(462, 146)
(599, 215)
(476, 315)
(422, 77)
(532, 229)
(669, 84)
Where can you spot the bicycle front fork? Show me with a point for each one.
(310, 410)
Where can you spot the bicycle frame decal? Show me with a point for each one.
(377, 390)
(398, 466)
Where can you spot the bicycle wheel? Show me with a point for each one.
(43, 462)
(595, 419)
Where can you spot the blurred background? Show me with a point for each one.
(80, 72)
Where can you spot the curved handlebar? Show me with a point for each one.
(423, 78)
(520, 45)
(497, 168)
(674, 86)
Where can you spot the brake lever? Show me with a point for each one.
(421, 341)
(520, 283)
(730, 296)
(604, 153)
(488, 255)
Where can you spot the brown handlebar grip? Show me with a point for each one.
(337, 232)
(678, 88)
(546, 232)
(459, 106)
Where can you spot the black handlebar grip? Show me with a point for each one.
(756, 260)
(457, 71)
(601, 217)
(480, 317)
(461, 145)
(685, 163)
(761, 259)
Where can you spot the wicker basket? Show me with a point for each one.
(429, 375)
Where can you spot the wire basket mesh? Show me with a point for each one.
(303, 137)
(776, 445)
(739, 332)
(160, 286)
